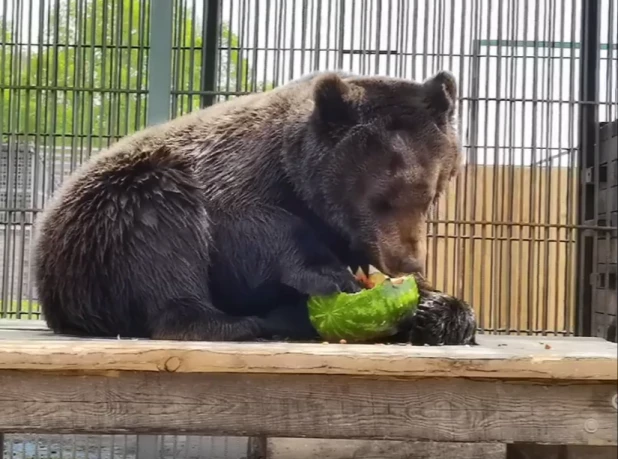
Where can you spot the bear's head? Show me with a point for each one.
(376, 153)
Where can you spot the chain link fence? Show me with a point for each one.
(527, 233)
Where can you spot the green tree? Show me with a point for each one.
(87, 81)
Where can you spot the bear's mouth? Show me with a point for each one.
(366, 270)
(368, 275)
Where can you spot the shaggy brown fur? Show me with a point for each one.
(218, 224)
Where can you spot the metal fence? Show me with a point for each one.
(527, 233)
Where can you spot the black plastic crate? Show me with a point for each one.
(602, 210)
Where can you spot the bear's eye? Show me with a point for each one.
(401, 123)
(383, 205)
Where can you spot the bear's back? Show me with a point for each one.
(233, 146)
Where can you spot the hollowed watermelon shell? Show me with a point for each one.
(364, 316)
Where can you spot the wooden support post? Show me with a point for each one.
(147, 447)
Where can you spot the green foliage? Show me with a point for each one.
(86, 79)
(19, 309)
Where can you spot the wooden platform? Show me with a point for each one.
(549, 390)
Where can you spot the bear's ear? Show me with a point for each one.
(441, 95)
(332, 103)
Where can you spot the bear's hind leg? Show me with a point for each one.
(187, 319)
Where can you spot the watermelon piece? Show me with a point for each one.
(371, 280)
(367, 315)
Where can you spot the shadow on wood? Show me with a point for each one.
(310, 448)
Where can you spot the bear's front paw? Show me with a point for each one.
(323, 282)
(346, 282)
(442, 320)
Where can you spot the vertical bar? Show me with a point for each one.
(291, 74)
(129, 98)
(462, 178)
(341, 35)
(248, 20)
(159, 62)
(242, 61)
(279, 59)
(525, 231)
(588, 123)
(317, 35)
(303, 37)
(192, 97)
(485, 309)
(572, 191)
(256, 41)
(562, 264)
(228, 58)
(533, 261)
(106, 53)
(265, 83)
(548, 171)
(177, 53)
(182, 31)
(497, 202)
(144, 12)
(509, 182)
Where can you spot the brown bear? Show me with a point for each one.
(218, 224)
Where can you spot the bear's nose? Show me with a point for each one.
(411, 265)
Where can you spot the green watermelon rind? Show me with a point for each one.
(364, 316)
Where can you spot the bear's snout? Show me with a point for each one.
(396, 266)
(400, 247)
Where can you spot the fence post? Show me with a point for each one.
(159, 104)
(147, 447)
(588, 129)
(160, 62)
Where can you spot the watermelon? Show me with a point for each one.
(370, 314)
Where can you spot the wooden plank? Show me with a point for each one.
(23, 324)
(33, 334)
(38, 329)
(312, 448)
(455, 410)
(497, 357)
